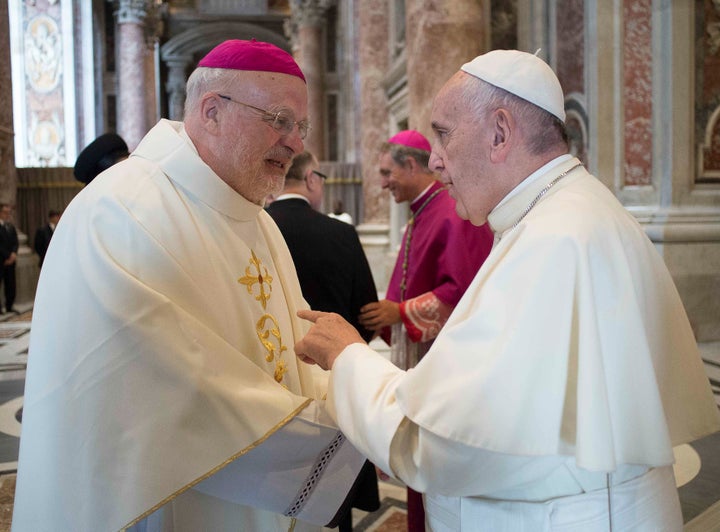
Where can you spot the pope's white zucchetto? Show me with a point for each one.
(522, 74)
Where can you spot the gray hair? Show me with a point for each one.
(545, 130)
(204, 80)
(400, 154)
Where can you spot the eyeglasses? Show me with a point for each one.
(283, 121)
(320, 175)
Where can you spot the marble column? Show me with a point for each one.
(8, 177)
(374, 62)
(154, 27)
(440, 37)
(131, 59)
(374, 58)
(308, 17)
(175, 86)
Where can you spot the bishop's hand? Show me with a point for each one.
(328, 336)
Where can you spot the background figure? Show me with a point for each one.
(99, 155)
(439, 255)
(332, 268)
(334, 273)
(176, 402)
(553, 396)
(44, 234)
(339, 213)
(8, 255)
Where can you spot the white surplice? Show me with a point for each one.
(161, 377)
(568, 365)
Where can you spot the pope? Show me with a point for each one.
(554, 394)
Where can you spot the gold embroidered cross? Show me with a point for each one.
(261, 276)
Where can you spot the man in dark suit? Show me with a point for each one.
(331, 264)
(44, 234)
(8, 254)
(333, 271)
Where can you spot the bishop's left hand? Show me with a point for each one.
(328, 336)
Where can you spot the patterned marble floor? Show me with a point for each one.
(697, 469)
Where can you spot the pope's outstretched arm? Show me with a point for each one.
(363, 400)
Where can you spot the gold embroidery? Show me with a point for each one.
(262, 279)
(271, 339)
(268, 333)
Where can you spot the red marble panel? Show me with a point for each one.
(708, 87)
(570, 37)
(711, 154)
(637, 70)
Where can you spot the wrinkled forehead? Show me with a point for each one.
(449, 100)
(273, 87)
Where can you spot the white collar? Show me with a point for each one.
(292, 195)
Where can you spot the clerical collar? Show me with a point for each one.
(415, 202)
(292, 195)
(534, 177)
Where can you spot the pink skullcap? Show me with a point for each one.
(411, 139)
(236, 54)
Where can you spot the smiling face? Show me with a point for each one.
(249, 154)
(398, 179)
(461, 150)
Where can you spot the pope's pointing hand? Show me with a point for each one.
(328, 336)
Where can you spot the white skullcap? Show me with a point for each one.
(522, 74)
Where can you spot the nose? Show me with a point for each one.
(435, 163)
(293, 141)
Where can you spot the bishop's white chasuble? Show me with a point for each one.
(162, 389)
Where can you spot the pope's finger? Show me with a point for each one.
(310, 315)
(306, 359)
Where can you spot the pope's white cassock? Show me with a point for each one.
(568, 366)
(162, 389)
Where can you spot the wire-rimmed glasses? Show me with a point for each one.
(283, 121)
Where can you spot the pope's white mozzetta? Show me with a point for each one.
(568, 366)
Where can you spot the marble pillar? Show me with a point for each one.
(175, 86)
(440, 37)
(132, 114)
(373, 50)
(8, 177)
(374, 62)
(306, 29)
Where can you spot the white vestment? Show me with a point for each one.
(161, 378)
(568, 365)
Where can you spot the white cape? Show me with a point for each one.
(571, 340)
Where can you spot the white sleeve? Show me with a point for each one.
(304, 470)
(362, 399)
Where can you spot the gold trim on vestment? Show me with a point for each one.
(219, 467)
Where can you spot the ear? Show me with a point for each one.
(503, 133)
(210, 112)
(311, 180)
(411, 164)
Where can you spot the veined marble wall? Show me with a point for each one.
(707, 93)
(628, 69)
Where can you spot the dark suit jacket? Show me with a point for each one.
(42, 241)
(8, 241)
(331, 264)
